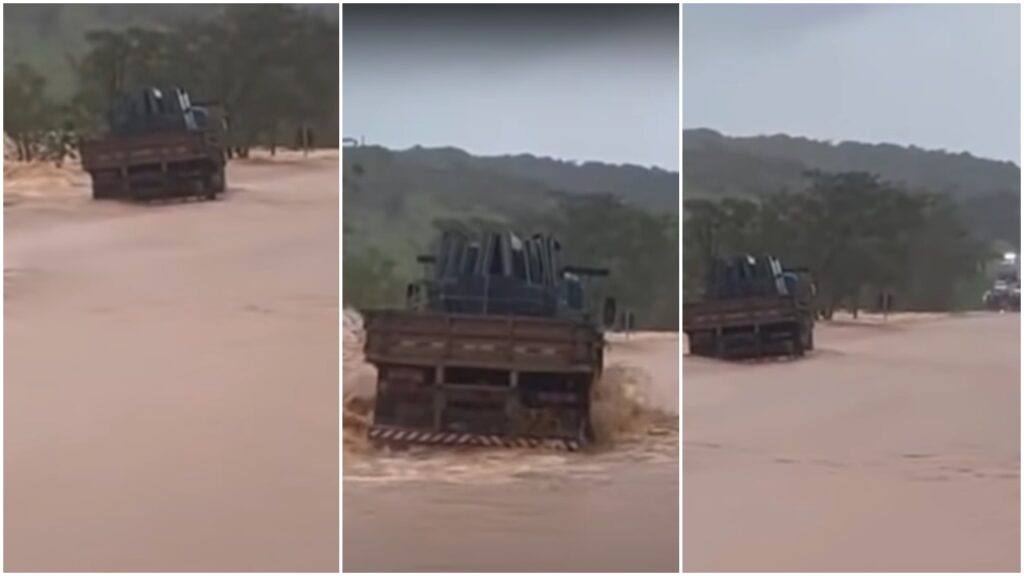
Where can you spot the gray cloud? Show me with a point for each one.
(938, 76)
(579, 82)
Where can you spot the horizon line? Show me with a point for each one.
(834, 142)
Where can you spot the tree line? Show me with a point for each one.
(397, 204)
(272, 69)
(639, 249)
(858, 236)
(987, 191)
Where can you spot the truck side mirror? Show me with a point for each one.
(609, 311)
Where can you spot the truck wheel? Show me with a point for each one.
(798, 345)
(105, 185)
(209, 188)
(718, 347)
(587, 434)
(219, 182)
(810, 339)
(708, 350)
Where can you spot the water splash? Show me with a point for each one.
(627, 427)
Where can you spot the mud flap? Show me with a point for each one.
(391, 435)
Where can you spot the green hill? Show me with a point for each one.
(651, 188)
(393, 202)
(988, 191)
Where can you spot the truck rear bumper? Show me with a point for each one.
(395, 435)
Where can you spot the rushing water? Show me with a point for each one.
(611, 507)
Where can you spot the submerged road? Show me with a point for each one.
(171, 378)
(615, 509)
(894, 447)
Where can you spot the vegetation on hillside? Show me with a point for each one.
(987, 191)
(650, 188)
(395, 202)
(272, 68)
(857, 234)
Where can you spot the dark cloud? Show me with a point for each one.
(755, 23)
(417, 32)
(584, 82)
(938, 76)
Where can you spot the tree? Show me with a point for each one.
(638, 248)
(120, 61)
(944, 257)
(271, 68)
(857, 234)
(27, 110)
(370, 280)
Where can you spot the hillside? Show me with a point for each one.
(391, 200)
(652, 189)
(715, 165)
(50, 37)
(394, 200)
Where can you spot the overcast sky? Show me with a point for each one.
(937, 76)
(577, 83)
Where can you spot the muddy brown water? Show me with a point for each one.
(171, 377)
(894, 447)
(611, 508)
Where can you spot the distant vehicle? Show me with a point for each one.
(1005, 292)
(497, 346)
(751, 307)
(157, 145)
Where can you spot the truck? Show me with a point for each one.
(1005, 292)
(498, 345)
(157, 145)
(751, 307)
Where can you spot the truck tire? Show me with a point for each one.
(703, 350)
(797, 344)
(587, 434)
(209, 186)
(105, 185)
(213, 183)
(219, 181)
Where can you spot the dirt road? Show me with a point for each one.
(171, 376)
(894, 447)
(615, 509)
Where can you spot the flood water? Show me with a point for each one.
(612, 508)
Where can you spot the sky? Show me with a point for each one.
(574, 82)
(935, 76)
